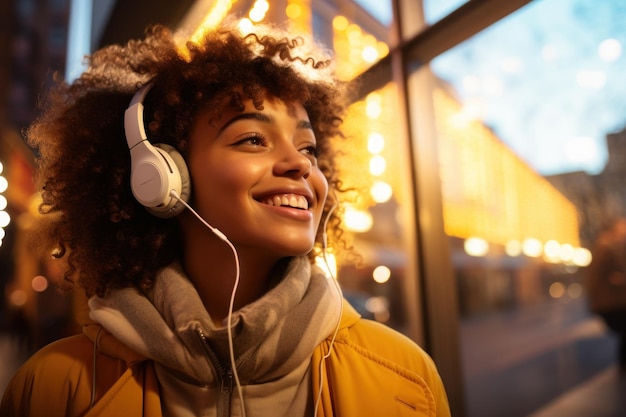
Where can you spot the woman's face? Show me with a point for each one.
(255, 177)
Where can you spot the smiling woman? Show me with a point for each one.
(189, 195)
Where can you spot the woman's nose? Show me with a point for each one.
(294, 163)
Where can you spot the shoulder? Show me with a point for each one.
(376, 340)
(385, 363)
(56, 380)
(60, 357)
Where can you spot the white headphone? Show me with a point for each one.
(156, 169)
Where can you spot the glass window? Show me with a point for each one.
(529, 120)
(435, 10)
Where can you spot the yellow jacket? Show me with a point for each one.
(372, 371)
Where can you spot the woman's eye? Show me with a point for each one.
(311, 150)
(253, 139)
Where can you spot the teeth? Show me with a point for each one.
(289, 200)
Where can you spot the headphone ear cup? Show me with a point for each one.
(173, 207)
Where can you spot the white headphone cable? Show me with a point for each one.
(231, 349)
(336, 283)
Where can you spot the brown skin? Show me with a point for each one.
(240, 163)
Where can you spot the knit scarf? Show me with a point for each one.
(273, 338)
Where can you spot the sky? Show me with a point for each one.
(549, 80)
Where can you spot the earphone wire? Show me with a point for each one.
(336, 283)
(231, 306)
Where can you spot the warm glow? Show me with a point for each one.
(4, 184)
(369, 54)
(357, 220)
(1, 167)
(488, 191)
(381, 192)
(39, 283)
(5, 219)
(582, 257)
(293, 11)
(476, 246)
(532, 248)
(575, 290)
(556, 290)
(18, 298)
(566, 252)
(378, 164)
(328, 264)
(340, 23)
(513, 248)
(381, 274)
(356, 50)
(3, 202)
(373, 109)
(375, 143)
(245, 25)
(551, 251)
(212, 19)
(379, 307)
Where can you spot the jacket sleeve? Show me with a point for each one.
(56, 381)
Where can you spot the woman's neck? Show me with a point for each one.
(212, 268)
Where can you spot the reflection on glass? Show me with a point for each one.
(530, 117)
(372, 167)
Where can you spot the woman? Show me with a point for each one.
(189, 195)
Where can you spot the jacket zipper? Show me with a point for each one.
(225, 376)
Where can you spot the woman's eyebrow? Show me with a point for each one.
(261, 117)
(247, 116)
(304, 124)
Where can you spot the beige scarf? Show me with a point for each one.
(273, 340)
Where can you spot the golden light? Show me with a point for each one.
(381, 274)
(4, 184)
(357, 220)
(212, 19)
(5, 219)
(245, 25)
(378, 164)
(293, 11)
(340, 23)
(556, 290)
(575, 290)
(513, 248)
(566, 252)
(532, 248)
(476, 246)
(379, 307)
(39, 283)
(381, 192)
(582, 257)
(551, 250)
(369, 54)
(1, 167)
(256, 15)
(327, 264)
(375, 143)
(18, 298)
(3, 202)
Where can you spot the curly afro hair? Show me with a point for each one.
(92, 220)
